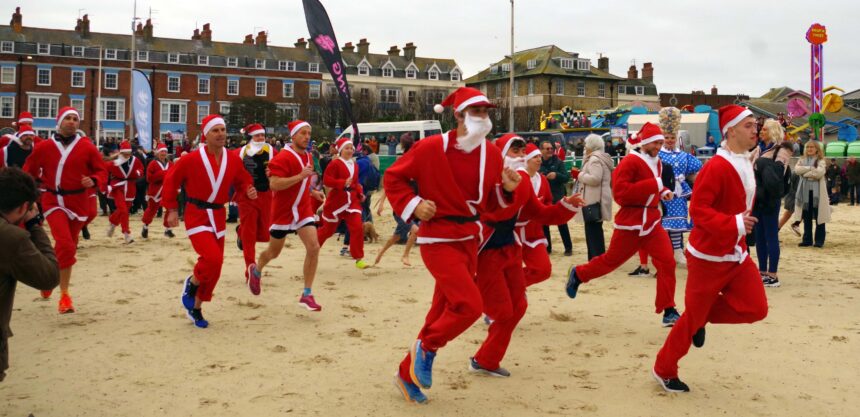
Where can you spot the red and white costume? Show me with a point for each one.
(255, 216)
(11, 151)
(122, 184)
(343, 202)
(538, 267)
(65, 203)
(155, 173)
(207, 182)
(637, 187)
(723, 282)
(292, 208)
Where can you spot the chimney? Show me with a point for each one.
(603, 63)
(409, 51)
(206, 35)
(262, 39)
(301, 43)
(714, 90)
(147, 30)
(249, 39)
(17, 22)
(394, 51)
(196, 35)
(363, 47)
(648, 72)
(632, 73)
(138, 31)
(347, 47)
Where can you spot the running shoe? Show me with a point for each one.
(308, 302)
(639, 272)
(128, 239)
(572, 282)
(169, 233)
(411, 392)
(699, 338)
(771, 282)
(85, 233)
(145, 232)
(499, 372)
(670, 317)
(421, 367)
(671, 384)
(65, 306)
(196, 317)
(361, 264)
(344, 251)
(189, 293)
(110, 230)
(253, 279)
(795, 227)
(238, 238)
(488, 320)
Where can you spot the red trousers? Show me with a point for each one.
(210, 251)
(623, 245)
(717, 292)
(65, 233)
(255, 217)
(538, 266)
(356, 233)
(456, 298)
(93, 211)
(503, 291)
(152, 207)
(120, 215)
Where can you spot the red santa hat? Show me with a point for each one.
(505, 141)
(24, 130)
(161, 148)
(647, 134)
(297, 125)
(65, 111)
(211, 121)
(463, 97)
(532, 151)
(731, 115)
(341, 143)
(253, 129)
(24, 118)
(125, 146)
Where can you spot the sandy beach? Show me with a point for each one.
(129, 350)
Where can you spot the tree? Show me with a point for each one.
(247, 110)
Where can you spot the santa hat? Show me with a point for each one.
(24, 118)
(211, 121)
(341, 143)
(125, 146)
(253, 129)
(649, 133)
(161, 148)
(731, 115)
(24, 130)
(532, 151)
(463, 97)
(505, 141)
(65, 111)
(297, 125)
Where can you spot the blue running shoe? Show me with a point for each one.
(476, 368)
(189, 292)
(488, 320)
(670, 317)
(196, 317)
(421, 367)
(572, 282)
(410, 391)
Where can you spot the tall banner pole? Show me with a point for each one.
(816, 36)
(141, 96)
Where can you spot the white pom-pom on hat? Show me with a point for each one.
(438, 108)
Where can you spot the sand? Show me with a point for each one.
(129, 350)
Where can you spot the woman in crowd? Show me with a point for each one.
(812, 202)
(594, 178)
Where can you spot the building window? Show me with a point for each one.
(433, 75)
(287, 65)
(7, 107)
(314, 91)
(173, 84)
(290, 111)
(410, 97)
(365, 93)
(202, 112)
(411, 73)
(172, 112)
(531, 64)
(388, 72)
(44, 107)
(111, 80)
(110, 53)
(506, 67)
(531, 86)
(202, 60)
(261, 88)
(7, 47)
(455, 75)
(43, 76)
(78, 51)
(559, 87)
(640, 90)
(260, 63)
(363, 69)
(143, 56)
(202, 86)
(388, 95)
(78, 104)
(78, 79)
(232, 61)
(516, 88)
(314, 67)
(7, 75)
(494, 69)
(580, 88)
(232, 87)
(566, 63)
(289, 90)
(583, 65)
(112, 109)
(224, 108)
(601, 90)
(44, 49)
(498, 90)
(172, 58)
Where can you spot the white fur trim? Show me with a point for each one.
(533, 154)
(651, 139)
(438, 108)
(25, 120)
(257, 132)
(742, 230)
(731, 123)
(471, 101)
(511, 142)
(738, 256)
(298, 127)
(410, 208)
(212, 123)
(568, 206)
(500, 197)
(64, 114)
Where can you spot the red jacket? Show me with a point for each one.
(155, 173)
(339, 199)
(637, 188)
(120, 178)
(530, 225)
(291, 208)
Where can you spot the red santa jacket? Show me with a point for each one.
(637, 187)
(155, 173)
(462, 185)
(530, 227)
(725, 188)
(59, 169)
(206, 182)
(292, 207)
(124, 176)
(339, 199)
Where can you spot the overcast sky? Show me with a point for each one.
(741, 46)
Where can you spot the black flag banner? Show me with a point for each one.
(322, 35)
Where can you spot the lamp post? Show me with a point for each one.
(511, 110)
(20, 76)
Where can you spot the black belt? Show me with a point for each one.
(462, 219)
(60, 191)
(205, 205)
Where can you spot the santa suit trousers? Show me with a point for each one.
(623, 245)
(503, 291)
(254, 221)
(355, 228)
(538, 267)
(717, 292)
(120, 215)
(93, 211)
(456, 299)
(210, 251)
(65, 233)
(152, 207)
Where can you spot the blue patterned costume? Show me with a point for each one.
(675, 215)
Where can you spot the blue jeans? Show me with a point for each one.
(767, 242)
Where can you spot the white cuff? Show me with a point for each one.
(659, 184)
(666, 191)
(742, 230)
(501, 198)
(410, 208)
(568, 206)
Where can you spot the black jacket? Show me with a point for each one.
(557, 184)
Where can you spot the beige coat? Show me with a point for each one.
(594, 178)
(806, 172)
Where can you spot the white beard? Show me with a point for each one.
(515, 163)
(476, 133)
(254, 148)
(121, 159)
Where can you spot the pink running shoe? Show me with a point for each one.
(253, 279)
(308, 302)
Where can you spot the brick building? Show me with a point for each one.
(695, 98)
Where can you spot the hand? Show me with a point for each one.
(575, 200)
(425, 210)
(348, 182)
(33, 211)
(306, 172)
(574, 173)
(379, 211)
(318, 195)
(268, 172)
(362, 197)
(172, 218)
(87, 182)
(252, 193)
(510, 180)
(749, 221)
(668, 196)
(551, 176)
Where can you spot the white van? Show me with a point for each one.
(420, 129)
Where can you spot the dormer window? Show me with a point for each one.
(363, 69)
(583, 65)
(433, 75)
(566, 63)
(531, 64)
(455, 75)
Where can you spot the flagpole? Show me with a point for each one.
(131, 76)
(511, 111)
(99, 100)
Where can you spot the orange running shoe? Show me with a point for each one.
(46, 294)
(66, 306)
